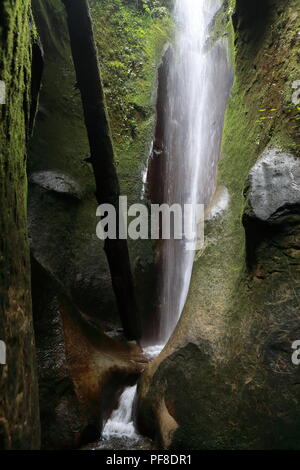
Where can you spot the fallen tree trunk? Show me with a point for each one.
(102, 155)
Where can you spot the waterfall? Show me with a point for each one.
(198, 80)
(120, 424)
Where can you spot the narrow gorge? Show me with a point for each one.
(170, 343)
(194, 82)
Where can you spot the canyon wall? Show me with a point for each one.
(83, 357)
(231, 352)
(19, 410)
(62, 206)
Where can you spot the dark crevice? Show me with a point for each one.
(37, 68)
(261, 233)
(252, 16)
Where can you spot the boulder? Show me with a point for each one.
(274, 184)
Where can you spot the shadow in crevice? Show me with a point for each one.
(251, 18)
(279, 232)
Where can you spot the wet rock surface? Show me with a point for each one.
(82, 370)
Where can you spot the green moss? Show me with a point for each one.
(19, 427)
(130, 38)
(223, 28)
(259, 115)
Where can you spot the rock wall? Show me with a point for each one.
(83, 359)
(232, 349)
(19, 414)
(62, 205)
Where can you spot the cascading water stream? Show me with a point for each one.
(120, 424)
(195, 94)
(198, 80)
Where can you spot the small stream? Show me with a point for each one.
(119, 432)
(120, 424)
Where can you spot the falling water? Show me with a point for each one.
(195, 94)
(120, 423)
(198, 81)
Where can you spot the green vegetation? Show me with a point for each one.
(130, 38)
(19, 425)
(222, 27)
